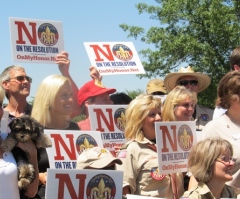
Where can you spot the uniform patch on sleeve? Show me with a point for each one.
(155, 174)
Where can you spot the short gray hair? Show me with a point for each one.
(6, 73)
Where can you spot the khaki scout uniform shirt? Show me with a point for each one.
(201, 191)
(141, 172)
(203, 116)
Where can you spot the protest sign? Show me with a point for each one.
(84, 184)
(174, 142)
(68, 144)
(110, 121)
(35, 41)
(113, 58)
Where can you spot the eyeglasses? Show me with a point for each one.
(186, 82)
(226, 161)
(22, 78)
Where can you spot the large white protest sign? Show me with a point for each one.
(113, 58)
(110, 121)
(84, 184)
(174, 141)
(68, 144)
(34, 40)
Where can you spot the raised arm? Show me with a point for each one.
(94, 73)
(63, 65)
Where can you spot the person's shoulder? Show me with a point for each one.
(73, 126)
(205, 108)
(199, 191)
(192, 193)
(132, 144)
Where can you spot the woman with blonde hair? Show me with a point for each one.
(52, 105)
(212, 169)
(8, 167)
(52, 108)
(141, 174)
(179, 105)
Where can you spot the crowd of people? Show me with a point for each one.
(213, 162)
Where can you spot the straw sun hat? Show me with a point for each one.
(170, 80)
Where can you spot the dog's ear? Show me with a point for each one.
(15, 124)
(36, 126)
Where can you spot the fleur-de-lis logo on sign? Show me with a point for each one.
(101, 192)
(185, 137)
(48, 34)
(101, 186)
(85, 145)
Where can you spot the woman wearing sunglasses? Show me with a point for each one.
(211, 171)
(228, 125)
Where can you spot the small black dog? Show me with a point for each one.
(23, 129)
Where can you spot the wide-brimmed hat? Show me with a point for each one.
(91, 89)
(96, 158)
(155, 85)
(170, 80)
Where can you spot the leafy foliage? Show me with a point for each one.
(134, 93)
(201, 33)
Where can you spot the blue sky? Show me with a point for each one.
(83, 21)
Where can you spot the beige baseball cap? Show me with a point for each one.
(156, 85)
(96, 158)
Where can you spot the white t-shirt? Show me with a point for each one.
(8, 177)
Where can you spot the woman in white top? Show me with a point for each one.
(8, 167)
(228, 125)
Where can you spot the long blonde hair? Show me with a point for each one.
(45, 97)
(174, 98)
(136, 112)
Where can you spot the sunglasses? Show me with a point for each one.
(22, 78)
(186, 82)
(158, 93)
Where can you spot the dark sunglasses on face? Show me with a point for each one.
(158, 93)
(186, 82)
(22, 78)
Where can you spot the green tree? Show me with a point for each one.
(200, 33)
(134, 93)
